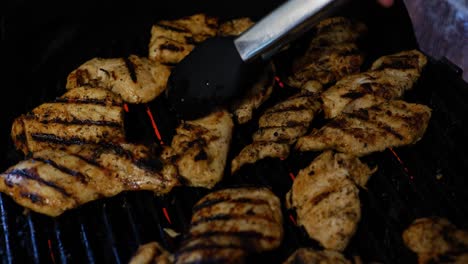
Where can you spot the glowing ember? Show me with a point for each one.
(166, 214)
(402, 163)
(280, 83)
(292, 176)
(155, 127)
(49, 243)
(126, 108)
(292, 219)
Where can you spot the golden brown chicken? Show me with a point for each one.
(261, 90)
(332, 53)
(80, 116)
(53, 181)
(244, 108)
(234, 27)
(200, 147)
(389, 78)
(390, 124)
(312, 256)
(135, 79)
(151, 253)
(325, 198)
(172, 40)
(436, 240)
(279, 127)
(228, 224)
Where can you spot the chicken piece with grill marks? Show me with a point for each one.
(80, 116)
(312, 256)
(261, 90)
(172, 40)
(200, 147)
(53, 180)
(390, 124)
(151, 253)
(436, 240)
(234, 27)
(389, 78)
(279, 127)
(229, 224)
(325, 197)
(332, 53)
(135, 79)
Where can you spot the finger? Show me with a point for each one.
(386, 3)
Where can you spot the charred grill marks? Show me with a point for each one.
(212, 202)
(87, 101)
(226, 217)
(32, 175)
(131, 69)
(171, 28)
(80, 176)
(82, 122)
(44, 137)
(238, 234)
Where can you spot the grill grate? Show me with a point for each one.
(420, 180)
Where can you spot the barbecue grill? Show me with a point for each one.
(42, 47)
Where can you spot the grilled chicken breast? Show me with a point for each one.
(234, 27)
(172, 40)
(279, 127)
(261, 90)
(200, 147)
(243, 109)
(332, 53)
(53, 180)
(81, 115)
(312, 256)
(258, 151)
(151, 253)
(389, 78)
(135, 79)
(390, 124)
(228, 224)
(325, 198)
(436, 240)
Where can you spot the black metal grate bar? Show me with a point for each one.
(6, 247)
(86, 244)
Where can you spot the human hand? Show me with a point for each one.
(385, 3)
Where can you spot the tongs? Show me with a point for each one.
(220, 69)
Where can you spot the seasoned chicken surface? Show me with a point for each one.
(325, 197)
(279, 127)
(436, 240)
(235, 27)
(172, 40)
(135, 79)
(332, 53)
(258, 151)
(228, 224)
(390, 124)
(53, 180)
(255, 96)
(200, 147)
(389, 78)
(261, 90)
(312, 256)
(151, 253)
(82, 115)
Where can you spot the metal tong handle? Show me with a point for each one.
(281, 26)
